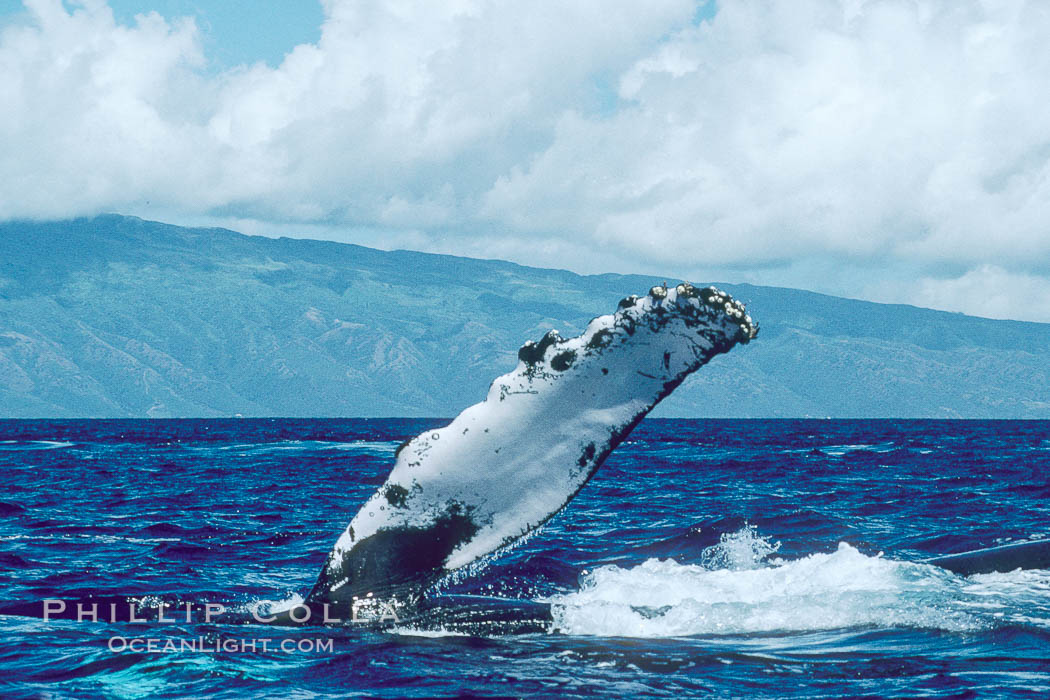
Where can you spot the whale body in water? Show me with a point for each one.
(505, 466)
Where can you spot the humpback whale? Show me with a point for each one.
(505, 466)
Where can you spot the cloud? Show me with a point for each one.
(988, 291)
(403, 114)
(92, 110)
(898, 129)
(879, 135)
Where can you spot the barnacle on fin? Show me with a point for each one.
(532, 353)
(628, 301)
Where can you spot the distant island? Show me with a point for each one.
(115, 316)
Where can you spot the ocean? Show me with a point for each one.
(739, 558)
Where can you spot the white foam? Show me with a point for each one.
(251, 448)
(36, 444)
(747, 594)
(265, 608)
(431, 633)
(366, 446)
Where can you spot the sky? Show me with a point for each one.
(891, 150)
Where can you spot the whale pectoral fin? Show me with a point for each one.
(506, 465)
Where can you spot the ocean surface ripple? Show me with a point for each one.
(756, 558)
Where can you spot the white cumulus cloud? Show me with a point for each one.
(880, 136)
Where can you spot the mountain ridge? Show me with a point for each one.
(116, 316)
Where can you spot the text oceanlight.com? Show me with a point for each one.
(205, 645)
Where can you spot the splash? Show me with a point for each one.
(739, 551)
(739, 591)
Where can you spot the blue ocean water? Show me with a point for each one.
(741, 558)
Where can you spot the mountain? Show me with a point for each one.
(115, 316)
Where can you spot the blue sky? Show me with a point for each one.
(233, 32)
(237, 32)
(894, 150)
